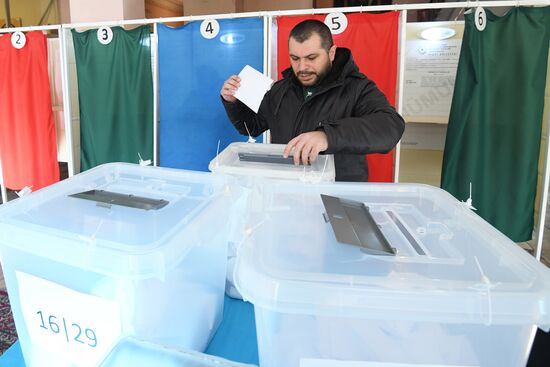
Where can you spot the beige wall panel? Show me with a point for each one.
(421, 166)
(133, 9)
(202, 7)
(96, 11)
(64, 11)
(259, 5)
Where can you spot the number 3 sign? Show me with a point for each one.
(337, 22)
(104, 35)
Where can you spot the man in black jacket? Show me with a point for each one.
(323, 104)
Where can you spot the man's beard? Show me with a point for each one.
(321, 75)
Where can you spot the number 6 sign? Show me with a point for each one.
(480, 19)
(337, 22)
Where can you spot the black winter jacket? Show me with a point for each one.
(346, 105)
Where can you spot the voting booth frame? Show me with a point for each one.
(270, 69)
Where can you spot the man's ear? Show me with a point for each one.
(332, 53)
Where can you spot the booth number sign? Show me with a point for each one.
(480, 19)
(18, 40)
(105, 35)
(337, 22)
(210, 28)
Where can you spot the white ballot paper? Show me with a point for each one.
(253, 87)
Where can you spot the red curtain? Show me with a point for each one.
(373, 40)
(28, 149)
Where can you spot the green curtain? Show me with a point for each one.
(494, 132)
(115, 91)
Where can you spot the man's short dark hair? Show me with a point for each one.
(303, 31)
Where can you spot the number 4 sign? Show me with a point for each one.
(337, 22)
(210, 28)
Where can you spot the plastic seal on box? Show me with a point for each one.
(142, 162)
(313, 177)
(24, 191)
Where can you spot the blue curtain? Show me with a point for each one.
(192, 70)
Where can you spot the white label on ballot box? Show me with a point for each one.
(307, 362)
(77, 327)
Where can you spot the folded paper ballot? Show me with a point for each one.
(253, 87)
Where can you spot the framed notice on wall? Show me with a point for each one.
(432, 51)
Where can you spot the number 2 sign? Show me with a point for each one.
(337, 22)
(18, 40)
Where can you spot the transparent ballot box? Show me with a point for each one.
(386, 274)
(266, 160)
(120, 250)
(250, 163)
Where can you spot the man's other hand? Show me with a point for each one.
(229, 88)
(307, 147)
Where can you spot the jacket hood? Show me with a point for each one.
(343, 66)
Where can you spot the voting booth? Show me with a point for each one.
(194, 61)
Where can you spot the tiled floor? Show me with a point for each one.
(2, 282)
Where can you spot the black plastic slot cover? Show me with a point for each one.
(107, 198)
(353, 224)
(266, 158)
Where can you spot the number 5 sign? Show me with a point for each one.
(337, 22)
